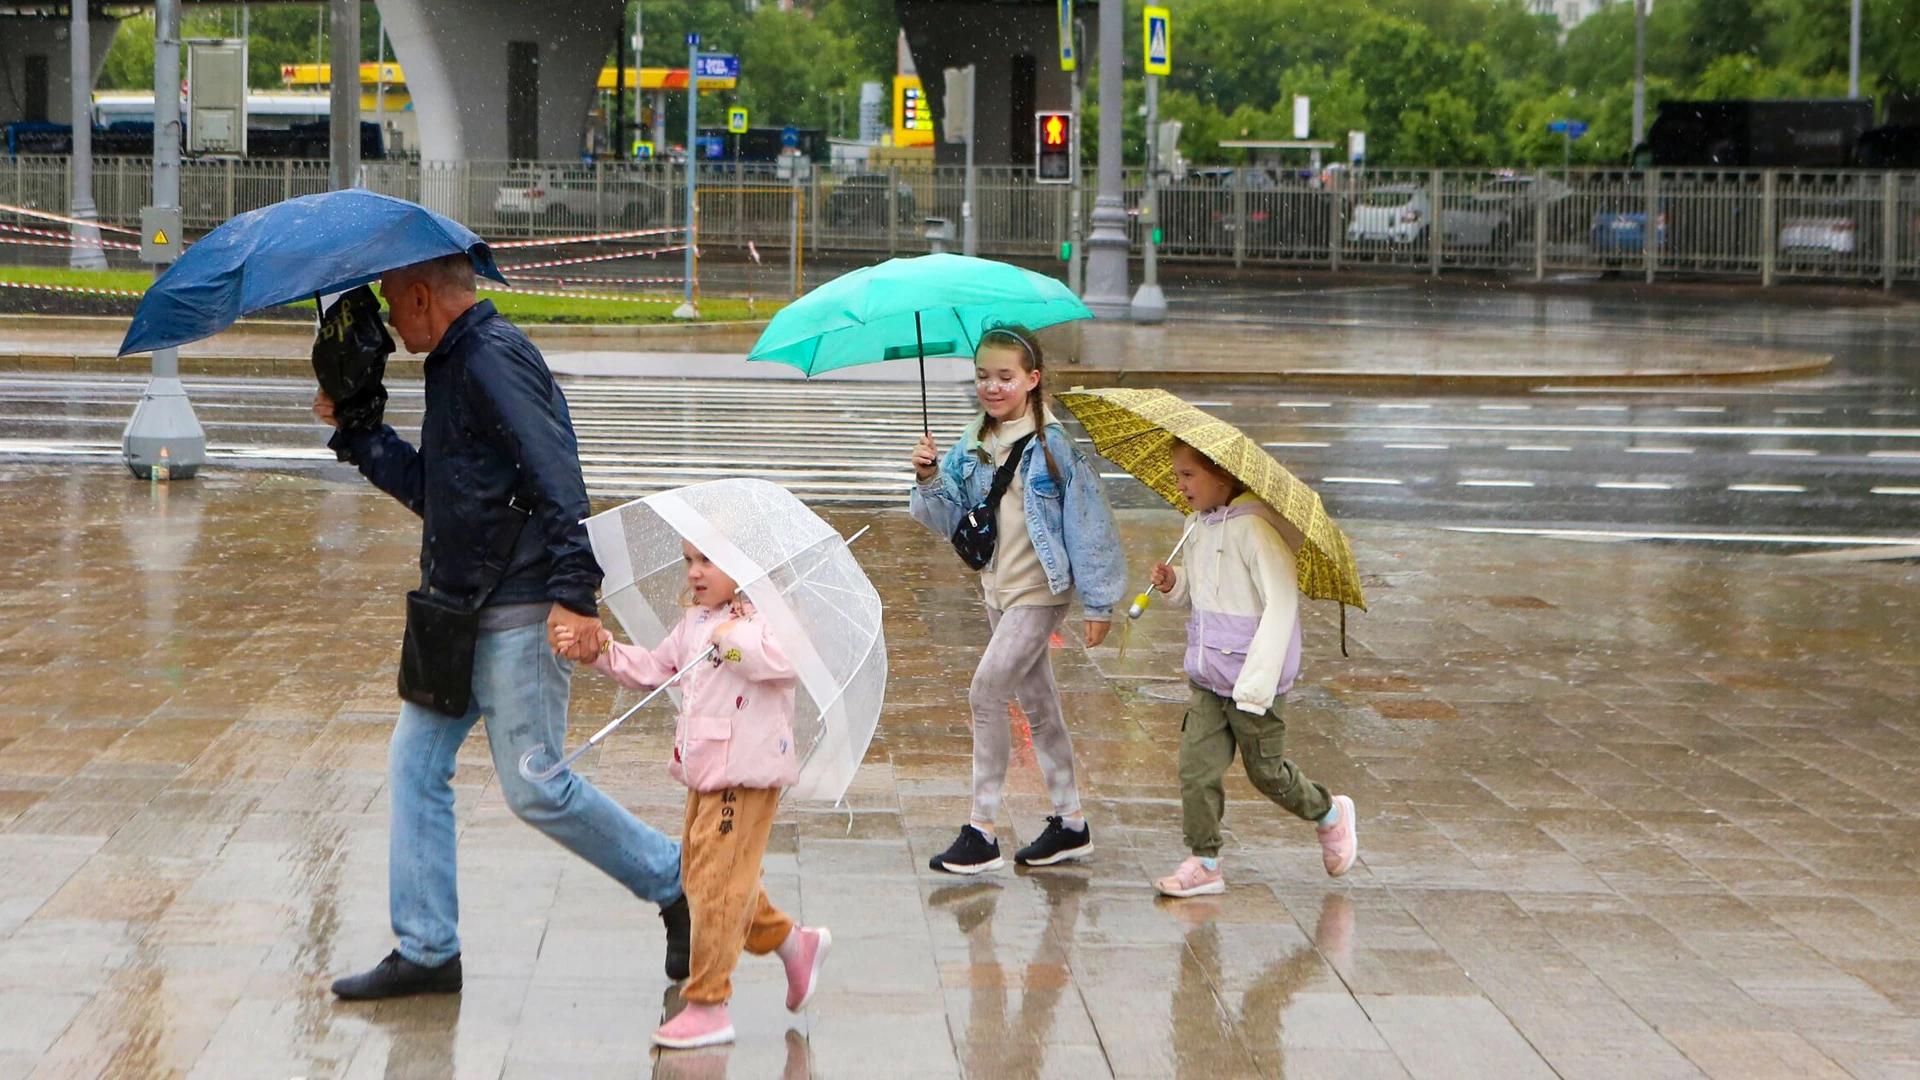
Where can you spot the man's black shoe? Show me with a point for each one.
(1056, 843)
(679, 922)
(971, 853)
(397, 976)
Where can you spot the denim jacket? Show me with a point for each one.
(1073, 529)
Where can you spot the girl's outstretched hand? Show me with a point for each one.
(1097, 632)
(926, 457)
(1163, 577)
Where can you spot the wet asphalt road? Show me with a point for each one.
(1831, 460)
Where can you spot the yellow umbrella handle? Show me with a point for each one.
(1140, 604)
(1145, 599)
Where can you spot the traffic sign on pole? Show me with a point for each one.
(1157, 37)
(737, 120)
(1064, 10)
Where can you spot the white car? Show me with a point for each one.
(1401, 214)
(564, 195)
(1820, 235)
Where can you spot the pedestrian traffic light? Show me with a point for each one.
(1053, 142)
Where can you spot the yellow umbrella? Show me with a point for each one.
(1136, 429)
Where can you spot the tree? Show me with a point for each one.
(1443, 130)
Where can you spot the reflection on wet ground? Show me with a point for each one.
(1628, 811)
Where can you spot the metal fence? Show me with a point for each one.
(1765, 224)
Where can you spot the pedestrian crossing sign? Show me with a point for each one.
(737, 120)
(1156, 35)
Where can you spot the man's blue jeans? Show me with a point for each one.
(520, 686)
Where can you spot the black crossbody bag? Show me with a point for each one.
(436, 656)
(978, 532)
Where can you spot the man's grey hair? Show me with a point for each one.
(446, 274)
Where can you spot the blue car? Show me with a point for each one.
(1625, 232)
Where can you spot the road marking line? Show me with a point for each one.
(1538, 448)
(1714, 537)
(1777, 489)
(1303, 404)
(1415, 446)
(1633, 485)
(1700, 408)
(1211, 404)
(1795, 410)
(1360, 480)
(1493, 407)
(1401, 405)
(1893, 412)
(1898, 455)
(1296, 445)
(1632, 429)
(1495, 483)
(1783, 451)
(1659, 449)
(1896, 491)
(1600, 408)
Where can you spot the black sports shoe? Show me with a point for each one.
(679, 922)
(1056, 843)
(397, 976)
(971, 853)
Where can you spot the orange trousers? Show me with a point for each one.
(725, 839)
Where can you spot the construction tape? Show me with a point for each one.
(609, 257)
(66, 240)
(583, 296)
(69, 289)
(559, 240)
(57, 243)
(6, 209)
(602, 280)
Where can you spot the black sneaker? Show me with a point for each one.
(679, 922)
(971, 853)
(397, 976)
(1056, 843)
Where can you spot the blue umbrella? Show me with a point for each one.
(290, 251)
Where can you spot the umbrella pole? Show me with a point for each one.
(920, 342)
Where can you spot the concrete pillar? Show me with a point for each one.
(87, 253)
(343, 104)
(1107, 295)
(455, 56)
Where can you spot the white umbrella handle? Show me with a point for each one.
(1141, 602)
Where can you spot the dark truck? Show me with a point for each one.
(1755, 134)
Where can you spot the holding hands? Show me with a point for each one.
(579, 638)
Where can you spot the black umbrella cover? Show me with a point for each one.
(349, 358)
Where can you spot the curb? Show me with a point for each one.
(1095, 378)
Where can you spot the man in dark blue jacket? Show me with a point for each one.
(497, 458)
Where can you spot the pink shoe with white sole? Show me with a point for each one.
(804, 961)
(695, 1026)
(1340, 841)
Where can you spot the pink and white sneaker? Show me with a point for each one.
(804, 961)
(1192, 879)
(696, 1026)
(1340, 841)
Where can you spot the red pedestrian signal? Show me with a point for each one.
(1053, 139)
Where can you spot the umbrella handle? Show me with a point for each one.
(920, 344)
(1145, 599)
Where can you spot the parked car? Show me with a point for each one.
(560, 195)
(1624, 232)
(1520, 196)
(860, 202)
(1401, 214)
(1830, 233)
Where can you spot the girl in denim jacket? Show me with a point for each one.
(1055, 535)
(733, 748)
(1243, 652)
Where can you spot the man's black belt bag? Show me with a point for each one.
(978, 532)
(436, 657)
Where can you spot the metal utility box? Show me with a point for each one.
(217, 97)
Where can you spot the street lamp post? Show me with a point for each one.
(1076, 257)
(87, 254)
(343, 105)
(1106, 293)
(1150, 303)
(1639, 71)
(164, 433)
(686, 310)
(1853, 52)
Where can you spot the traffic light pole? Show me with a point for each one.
(164, 439)
(1106, 292)
(969, 233)
(1076, 254)
(1149, 303)
(686, 310)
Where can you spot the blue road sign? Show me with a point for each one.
(717, 66)
(1572, 129)
(693, 39)
(790, 137)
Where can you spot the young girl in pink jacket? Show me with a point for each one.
(733, 748)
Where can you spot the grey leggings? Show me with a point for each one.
(1018, 664)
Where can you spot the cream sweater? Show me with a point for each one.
(1240, 568)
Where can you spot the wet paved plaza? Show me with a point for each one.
(1627, 810)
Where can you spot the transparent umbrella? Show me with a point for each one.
(801, 577)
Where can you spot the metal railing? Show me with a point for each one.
(1751, 223)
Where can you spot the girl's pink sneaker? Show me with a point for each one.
(1340, 841)
(804, 954)
(696, 1026)
(1192, 879)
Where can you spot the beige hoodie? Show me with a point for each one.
(1243, 583)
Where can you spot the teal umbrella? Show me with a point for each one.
(933, 305)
